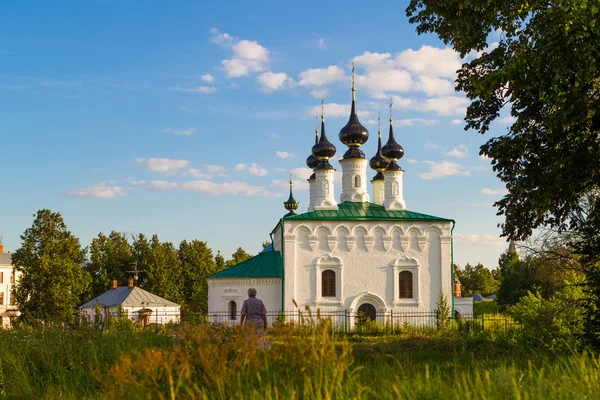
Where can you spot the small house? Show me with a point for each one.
(139, 305)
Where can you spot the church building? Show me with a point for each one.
(364, 253)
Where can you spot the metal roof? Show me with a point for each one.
(364, 211)
(129, 297)
(5, 259)
(267, 264)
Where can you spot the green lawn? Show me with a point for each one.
(216, 363)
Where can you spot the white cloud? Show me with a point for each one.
(333, 110)
(222, 39)
(302, 173)
(271, 81)
(444, 106)
(443, 169)
(430, 145)
(484, 157)
(212, 188)
(411, 161)
(199, 89)
(274, 135)
(102, 190)
(433, 86)
(321, 76)
(473, 239)
(493, 192)
(430, 61)
(414, 121)
(374, 60)
(384, 80)
(196, 173)
(207, 78)
(457, 121)
(284, 154)
(216, 169)
(459, 151)
(321, 43)
(172, 131)
(253, 169)
(284, 186)
(248, 57)
(162, 165)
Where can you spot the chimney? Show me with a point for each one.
(1, 248)
(457, 288)
(130, 283)
(114, 284)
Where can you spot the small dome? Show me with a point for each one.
(392, 150)
(324, 149)
(312, 161)
(291, 204)
(354, 134)
(379, 162)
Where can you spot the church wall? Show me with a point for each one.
(367, 257)
(222, 291)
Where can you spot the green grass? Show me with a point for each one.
(217, 363)
(485, 307)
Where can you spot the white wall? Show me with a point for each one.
(464, 305)
(367, 257)
(222, 291)
(159, 315)
(6, 288)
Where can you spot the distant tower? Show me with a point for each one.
(291, 204)
(379, 164)
(354, 164)
(324, 198)
(394, 197)
(512, 247)
(312, 162)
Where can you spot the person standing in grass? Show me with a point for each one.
(254, 313)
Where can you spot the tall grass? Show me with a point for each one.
(208, 362)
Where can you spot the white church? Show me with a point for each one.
(364, 253)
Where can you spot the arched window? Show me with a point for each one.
(328, 283)
(356, 181)
(406, 285)
(232, 310)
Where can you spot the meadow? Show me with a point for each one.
(209, 362)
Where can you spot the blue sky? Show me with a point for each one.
(183, 118)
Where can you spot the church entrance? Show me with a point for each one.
(368, 310)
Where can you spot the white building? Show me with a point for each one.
(139, 305)
(8, 279)
(356, 255)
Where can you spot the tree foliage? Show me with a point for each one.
(50, 259)
(197, 263)
(110, 257)
(239, 256)
(545, 67)
(476, 280)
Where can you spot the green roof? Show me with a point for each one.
(267, 264)
(364, 211)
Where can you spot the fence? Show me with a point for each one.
(346, 321)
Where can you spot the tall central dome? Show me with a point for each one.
(354, 134)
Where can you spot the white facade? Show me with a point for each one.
(378, 192)
(464, 306)
(8, 279)
(354, 180)
(394, 191)
(159, 315)
(367, 258)
(324, 196)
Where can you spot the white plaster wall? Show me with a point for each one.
(394, 190)
(369, 263)
(222, 291)
(324, 190)
(351, 169)
(464, 305)
(6, 288)
(378, 192)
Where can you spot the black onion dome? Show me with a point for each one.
(354, 134)
(392, 150)
(312, 161)
(324, 149)
(379, 162)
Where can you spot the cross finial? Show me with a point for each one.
(391, 103)
(290, 178)
(322, 108)
(379, 122)
(353, 76)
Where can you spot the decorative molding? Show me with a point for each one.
(312, 242)
(387, 242)
(422, 242)
(331, 241)
(369, 242)
(350, 242)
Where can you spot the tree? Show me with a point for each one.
(219, 261)
(50, 259)
(546, 69)
(476, 280)
(162, 268)
(239, 256)
(110, 258)
(197, 264)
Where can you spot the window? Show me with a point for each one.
(328, 283)
(12, 298)
(232, 310)
(1, 277)
(12, 277)
(406, 285)
(1, 298)
(356, 181)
